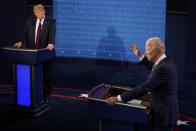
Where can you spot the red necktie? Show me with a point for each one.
(37, 43)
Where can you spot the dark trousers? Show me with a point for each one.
(158, 128)
(47, 73)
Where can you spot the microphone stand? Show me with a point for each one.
(116, 78)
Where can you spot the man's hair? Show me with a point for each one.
(38, 7)
(156, 42)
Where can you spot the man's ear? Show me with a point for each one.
(158, 51)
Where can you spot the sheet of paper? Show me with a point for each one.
(83, 95)
(134, 101)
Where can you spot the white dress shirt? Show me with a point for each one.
(37, 24)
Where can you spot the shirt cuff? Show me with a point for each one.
(119, 98)
(141, 58)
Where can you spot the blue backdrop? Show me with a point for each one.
(104, 29)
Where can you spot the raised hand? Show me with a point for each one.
(135, 50)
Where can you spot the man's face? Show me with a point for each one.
(39, 13)
(150, 53)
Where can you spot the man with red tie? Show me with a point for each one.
(39, 32)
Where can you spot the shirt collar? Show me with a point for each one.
(41, 19)
(160, 58)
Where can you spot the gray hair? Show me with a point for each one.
(156, 42)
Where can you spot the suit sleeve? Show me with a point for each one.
(145, 62)
(52, 32)
(23, 37)
(158, 77)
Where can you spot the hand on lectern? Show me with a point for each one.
(112, 100)
(18, 44)
(50, 47)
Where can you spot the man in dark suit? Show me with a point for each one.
(162, 84)
(39, 32)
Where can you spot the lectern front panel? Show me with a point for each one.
(23, 85)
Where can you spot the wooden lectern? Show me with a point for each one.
(121, 116)
(28, 78)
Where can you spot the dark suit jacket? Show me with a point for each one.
(162, 84)
(47, 33)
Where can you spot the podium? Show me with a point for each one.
(121, 116)
(28, 79)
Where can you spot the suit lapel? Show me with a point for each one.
(44, 26)
(161, 62)
(156, 66)
(33, 28)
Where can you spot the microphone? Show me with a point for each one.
(112, 92)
